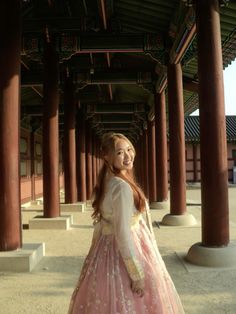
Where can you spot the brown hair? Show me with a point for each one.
(107, 147)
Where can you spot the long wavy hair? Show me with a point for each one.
(107, 149)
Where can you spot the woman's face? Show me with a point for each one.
(123, 157)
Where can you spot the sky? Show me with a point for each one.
(229, 90)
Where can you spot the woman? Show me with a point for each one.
(123, 272)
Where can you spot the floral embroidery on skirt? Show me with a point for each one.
(104, 283)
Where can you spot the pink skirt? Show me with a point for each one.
(104, 285)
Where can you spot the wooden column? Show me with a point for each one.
(195, 172)
(81, 165)
(69, 143)
(178, 214)
(10, 220)
(97, 159)
(161, 148)
(145, 163)
(176, 140)
(32, 163)
(94, 170)
(50, 134)
(142, 163)
(89, 167)
(138, 167)
(151, 161)
(214, 176)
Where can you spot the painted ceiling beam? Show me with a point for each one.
(110, 109)
(118, 118)
(34, 79)
(68, 44)
(55, 25)
(113, 108)
(98, 77)
(185, 35)
(190, 84)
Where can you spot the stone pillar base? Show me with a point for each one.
(32, 207)
(39, 222)
(89, 205)
(212, 256)
(24, 259)
(62, 196)
(36, 202)
(179, 220)
(160, 205)
(75, 207)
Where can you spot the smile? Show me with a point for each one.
(127, 162)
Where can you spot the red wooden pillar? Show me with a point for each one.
(81, 165)
(178, 215)
(138, 168)
(195, 174)
(141, 165)
(94, 170)
(151, 161)
(32, 165)
(97, 159)
(176, 141)
(10, 221)
(161, 148)
(145, 163)
(214, 250)
(69, 143)
(50, 134)
(214, 176)
(89, 178)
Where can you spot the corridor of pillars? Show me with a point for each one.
(82, 154)
(88, 158)
(82, 160)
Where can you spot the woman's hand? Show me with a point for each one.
(137, 286)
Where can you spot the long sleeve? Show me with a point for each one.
(123, 204)
(96, 232)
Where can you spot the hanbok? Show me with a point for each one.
(123, 248)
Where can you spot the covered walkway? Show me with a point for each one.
(66, 81)
(48, 287)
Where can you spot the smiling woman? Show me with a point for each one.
(124, 156)
(124, 271)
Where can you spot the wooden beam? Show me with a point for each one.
(190, 84)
